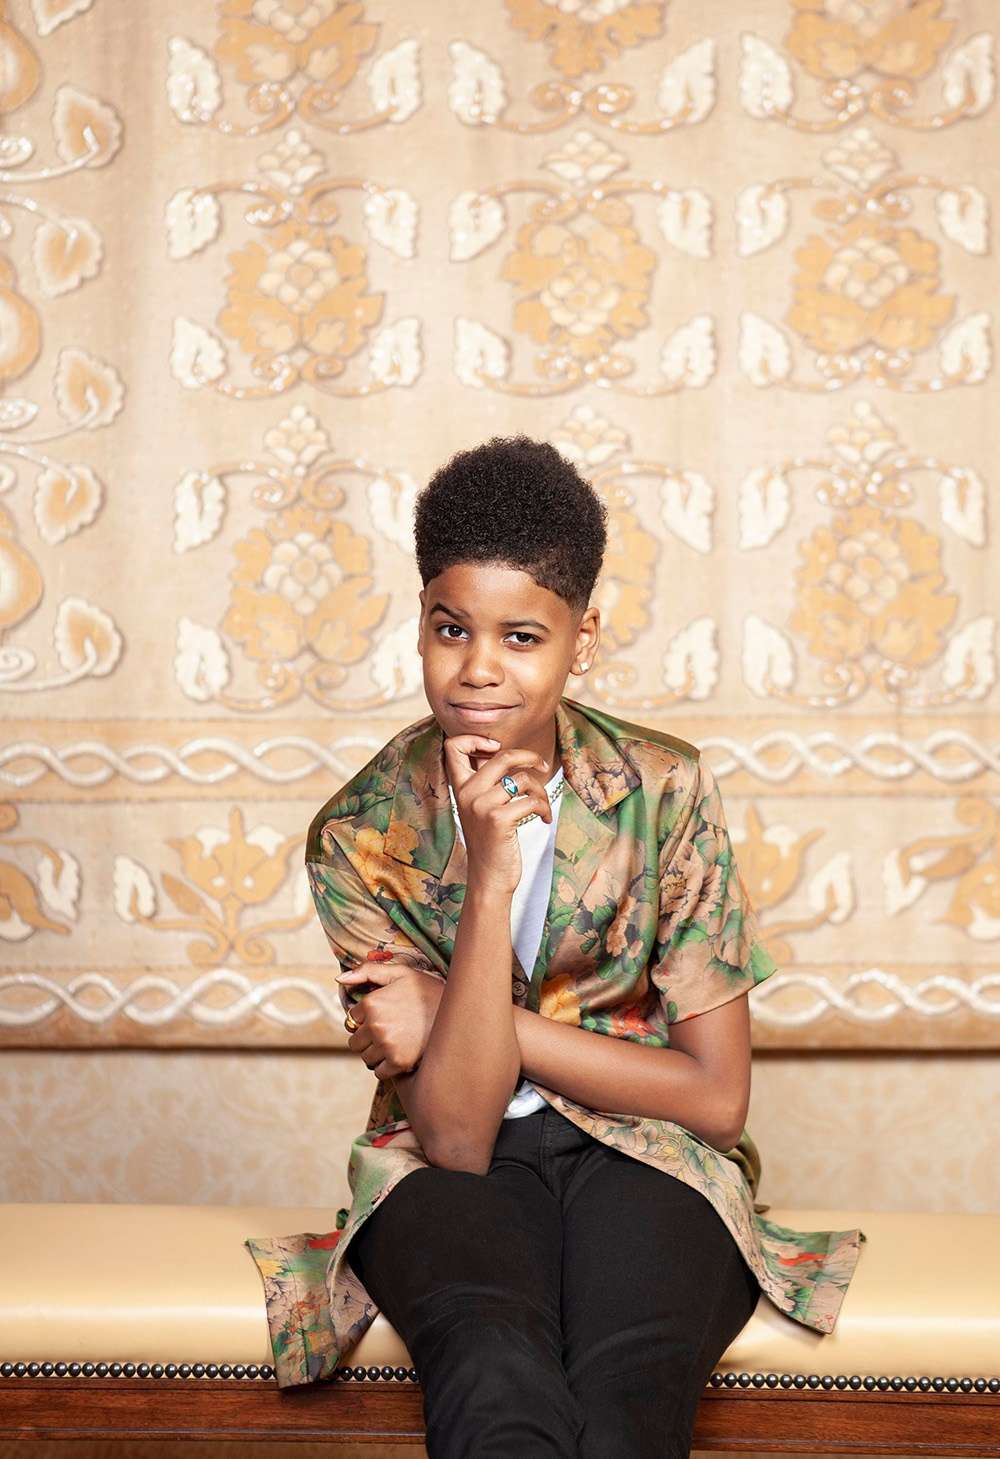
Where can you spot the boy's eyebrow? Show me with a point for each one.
(506, 623)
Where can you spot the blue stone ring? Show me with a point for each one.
(510, 786)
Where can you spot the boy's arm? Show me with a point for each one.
(702, 1081)
(456, 1098)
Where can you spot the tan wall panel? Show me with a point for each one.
(897, 1132)
(264, 267)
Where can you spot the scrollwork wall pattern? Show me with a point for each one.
(737, 269)
(51, 253)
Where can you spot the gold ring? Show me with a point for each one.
(350, 1024)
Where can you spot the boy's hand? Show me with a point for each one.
(394, 1020)
(489, 814)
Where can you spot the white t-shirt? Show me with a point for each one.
(537, 843)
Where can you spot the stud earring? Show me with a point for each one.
(584, 668)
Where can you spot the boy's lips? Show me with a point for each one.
(481, 713)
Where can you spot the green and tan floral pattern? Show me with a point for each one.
(648, 924)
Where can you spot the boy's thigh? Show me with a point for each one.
(654, 1290)
(442, 1238)
(650, 1268)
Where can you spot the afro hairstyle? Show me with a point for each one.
(518, 502)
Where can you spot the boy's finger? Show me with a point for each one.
(527, 780)
(352, 976)
(378, 974)
(511, 762)
(459, 749)
(531, 801)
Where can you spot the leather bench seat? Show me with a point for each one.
(174, 1284)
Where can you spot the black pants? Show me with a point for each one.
(570, 1303)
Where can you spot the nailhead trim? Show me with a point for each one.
(409, 1375)
(840, 1381)
(135, 1370)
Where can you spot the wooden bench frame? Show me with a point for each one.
(789, 1413)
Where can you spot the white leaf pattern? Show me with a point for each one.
(688, 356)
(765, 79)
(474, 222)
(395, 357)
(967, 77)
(192, 219)
(768, 657)
(686, 505)
(394, 81)
(395, 664)
(391, 219)
(391, 505)
(201, 664)
(61, 889)
(764, 354)
(970, 658)
(480, 355)
(477, 93)
(962, 504)
(765, 503)
(686, 221)
(965, 351)
(692, 660)
(687, 87)
(199, 507)
(963, 215)
(197, 356)
(833, 884)
(194, 90)
(761, 218)
(132, 890)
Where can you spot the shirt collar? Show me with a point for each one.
(421, 830)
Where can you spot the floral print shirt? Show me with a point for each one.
(648, 923)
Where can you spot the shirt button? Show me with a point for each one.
(518, 988)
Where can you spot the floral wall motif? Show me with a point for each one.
(264, 265)
(46, 253)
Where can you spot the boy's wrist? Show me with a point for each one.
(485, 895)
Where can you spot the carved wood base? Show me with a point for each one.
(734, 1419)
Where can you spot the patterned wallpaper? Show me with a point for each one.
(855, 1131)
(265, 263)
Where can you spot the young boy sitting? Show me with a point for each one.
(545, 951)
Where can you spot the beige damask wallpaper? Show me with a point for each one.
(265, 263)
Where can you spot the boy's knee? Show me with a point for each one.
(493, 1381)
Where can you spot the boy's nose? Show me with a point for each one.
(481, 666)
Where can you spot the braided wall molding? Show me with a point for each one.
(933, 997)
(883, 755)
(150, 764)
(773, 757)
(825, 1381)
(155, 1000)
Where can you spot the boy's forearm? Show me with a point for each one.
(617, 1076)
(457, 1096)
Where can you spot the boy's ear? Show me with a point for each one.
(588, 637)
(420, 622)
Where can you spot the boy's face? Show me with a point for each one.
(497, 649)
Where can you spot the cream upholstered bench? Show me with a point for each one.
(149, 1320)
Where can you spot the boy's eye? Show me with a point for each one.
(524, 638)
(446, 630)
